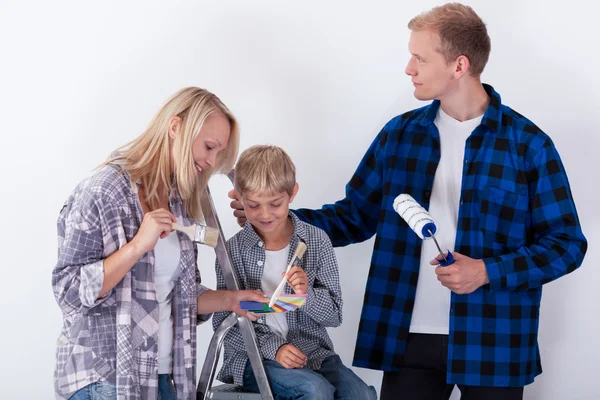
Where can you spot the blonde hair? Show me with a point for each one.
(264, 168)
(461, 31)
(148, 157)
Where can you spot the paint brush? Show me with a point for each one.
(199, 233)
(297, 258)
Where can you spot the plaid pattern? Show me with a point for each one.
(114, 338)
(516, 213)
(323, 307)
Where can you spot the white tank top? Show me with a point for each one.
(167, 253)
(275, 265)
(431, 313)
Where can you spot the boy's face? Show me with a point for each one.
(268, 211)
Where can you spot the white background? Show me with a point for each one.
(78, 79)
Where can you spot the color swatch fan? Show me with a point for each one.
(285, 303)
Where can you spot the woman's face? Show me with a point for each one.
(212, 139)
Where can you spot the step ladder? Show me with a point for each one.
(207, 375)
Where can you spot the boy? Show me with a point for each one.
(298, 354)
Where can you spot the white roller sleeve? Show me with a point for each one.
(415, 216)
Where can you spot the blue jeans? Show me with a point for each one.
(107, 391)
(166, 388)
(101, 390)
(333, 381)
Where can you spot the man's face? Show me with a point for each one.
(431, 76)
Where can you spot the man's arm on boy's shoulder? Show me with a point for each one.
(324, 300)
(354, 219)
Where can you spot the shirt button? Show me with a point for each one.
(259, 263)
(260, 244)
(427, 194)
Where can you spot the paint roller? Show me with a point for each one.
(420, 221)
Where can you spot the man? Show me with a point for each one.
(496, 186)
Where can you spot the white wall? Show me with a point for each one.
(319, 78)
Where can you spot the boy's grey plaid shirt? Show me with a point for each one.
(323, 307)
(114, 338)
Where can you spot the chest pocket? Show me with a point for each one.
(502, 219)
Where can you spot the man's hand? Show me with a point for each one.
(465, 276)
(238, 209)
(297, 279)
(289, 356)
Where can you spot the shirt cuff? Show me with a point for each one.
(91, 280)
(496, 273)
(201, 318)
(310, 299)
(270, 346)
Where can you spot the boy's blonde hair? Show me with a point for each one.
(265, 168)
(148, 157)
(462, 33)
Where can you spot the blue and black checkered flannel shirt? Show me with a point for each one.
(516, 213)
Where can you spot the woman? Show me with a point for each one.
(129, 287)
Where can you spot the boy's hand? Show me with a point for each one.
(289, 356)
(238, 209)
(297, 279)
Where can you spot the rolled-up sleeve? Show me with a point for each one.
(92, 279)
(202, 318)
(200, 289)
(324, 302)
(78, 275)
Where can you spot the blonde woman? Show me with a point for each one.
(129, 287)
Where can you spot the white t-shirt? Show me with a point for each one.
(275, 265)
(432, 302)
(167, 253)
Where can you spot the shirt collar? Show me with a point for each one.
(492, 118)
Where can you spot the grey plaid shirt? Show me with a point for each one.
(323, 307)
(114, 338)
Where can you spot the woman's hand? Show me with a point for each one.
(212, 301)
(156, 224)
(297, 279)
(233, 298)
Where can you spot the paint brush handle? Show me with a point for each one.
(298, 254)
(190, 231)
